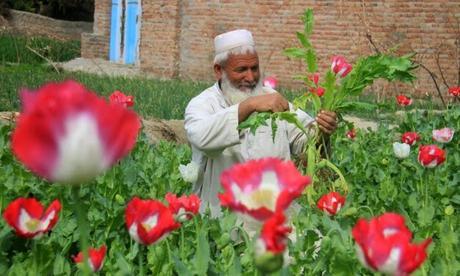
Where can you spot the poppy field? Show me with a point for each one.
(82, 190)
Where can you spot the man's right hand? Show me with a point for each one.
(273, 102)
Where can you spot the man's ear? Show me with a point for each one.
(218, 71)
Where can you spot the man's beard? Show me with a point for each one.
(233, 95)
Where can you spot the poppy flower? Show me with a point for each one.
(189, 172)
(315, 78)
(331, 203)
(410, 138)
(318, 91)
(270, 82)
(384, 244)
(340, 66)
(443, 135)
(454, 91)
(401, 150)
(29, 220)
(68, 134)
(179, 205)
(403, 100)
(120, 98)
(261, 187)
(149, 220)
(271, 243)
(351, 134)
(95, 258)
(431, 156)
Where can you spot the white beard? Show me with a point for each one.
(233, 95)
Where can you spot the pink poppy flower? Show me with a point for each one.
(410, 138)
(340, 66)
(403, 100)
(331, 203)
(454, 91)
(351, 134)
(315, 78)
(120, 98)
(179, 205)
(261, 187)
(270, 82)
(68, 134)
(443, 135)
(431, 156)
(95, 258)
(384, 245)
(27, 218)
(148, 220)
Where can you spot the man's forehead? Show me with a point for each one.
(249, 59)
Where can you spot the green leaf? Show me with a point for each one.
(202, 258)
(291, 118)
(311, 60)
(307, 20)
(356, 106)
(295, 52)
(274, 126)
(425, 215)
(303, 40)
(181, 268)
(255, 121)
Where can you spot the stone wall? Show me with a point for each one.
(38, 25)
(177, 36)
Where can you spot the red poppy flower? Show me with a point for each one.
(183, 204)
(403, 100)
(351, 134)
(431, 156)
(261, 187)
(273, 236)
(318, 91)
(148, 220)
(331, 203)
(27, 218)
(340, 66)
(410, 138)
(68, 134)
(95, 258)
(120, 98)
(270, 82)
(384, 245)
(454, 91)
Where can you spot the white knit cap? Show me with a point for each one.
(232, 39)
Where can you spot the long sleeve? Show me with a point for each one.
(297, 138)
(209, 131)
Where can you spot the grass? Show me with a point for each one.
(164, 99)
(17, 49)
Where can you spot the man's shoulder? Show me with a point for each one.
(209, 96)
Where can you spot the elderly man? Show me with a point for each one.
(212, 117)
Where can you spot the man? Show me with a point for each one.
(212, 117)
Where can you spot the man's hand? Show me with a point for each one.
(327, 121)
(273, 102)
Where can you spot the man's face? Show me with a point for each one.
(242, 71)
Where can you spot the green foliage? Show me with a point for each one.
(15, 49)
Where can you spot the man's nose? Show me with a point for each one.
(249, 76)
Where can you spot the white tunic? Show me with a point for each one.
(211, 127)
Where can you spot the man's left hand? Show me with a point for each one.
(327, 121)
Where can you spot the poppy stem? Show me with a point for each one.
(169, 251)
(141, 259)
(35, 257)
(82, 222)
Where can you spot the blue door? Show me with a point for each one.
(131, 45)
(115, 31)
